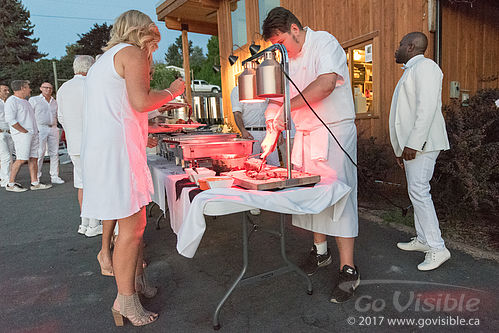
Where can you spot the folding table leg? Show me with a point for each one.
(289, 263)
(216, 322)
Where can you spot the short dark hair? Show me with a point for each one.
(17, 85)
(279, 19)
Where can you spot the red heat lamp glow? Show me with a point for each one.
(252, 101)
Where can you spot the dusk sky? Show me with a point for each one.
(58, 22)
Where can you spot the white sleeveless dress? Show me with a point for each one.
(116, 178)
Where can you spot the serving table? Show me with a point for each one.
(187, 218)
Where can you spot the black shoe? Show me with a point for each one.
(348, 281)
(315, 261)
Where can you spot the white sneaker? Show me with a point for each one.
(433, 259)
(15, 188)
(413, 245)
(57, 180)
(3, 183)
(40, 186)
(82, 229)
(94, 231)
(255, 211)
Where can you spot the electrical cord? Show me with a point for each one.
(323, 123)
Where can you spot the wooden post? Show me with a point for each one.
(187, 66)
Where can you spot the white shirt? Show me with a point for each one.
(321, 54)
(45, 112)
(253, 113)
(71, 98)
(18, 110)
(3, 124)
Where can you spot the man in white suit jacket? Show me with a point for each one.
(418, 134)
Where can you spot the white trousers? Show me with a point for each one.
(419, 172)
(88, 222)
(273, 158)
(6, 150)
(49, 138)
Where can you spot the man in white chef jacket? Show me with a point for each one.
(418, 134)
(318, 66)
(250, 119)
(45, 108)
(70, 99)
(21, 119)
(6, 144)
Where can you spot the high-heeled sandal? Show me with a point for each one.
(143, 287)
(131, 309)
(106, 271)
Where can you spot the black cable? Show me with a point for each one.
(323, 123)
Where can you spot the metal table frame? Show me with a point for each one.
(242, 279)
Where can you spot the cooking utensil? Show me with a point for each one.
(261, 165)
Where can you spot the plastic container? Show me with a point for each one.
(219, 182)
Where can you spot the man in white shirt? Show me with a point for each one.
(70, 99)
(318, 66)
(418, 134)
(250, 119)
(21, 118)
(45, 108)
(6, 144)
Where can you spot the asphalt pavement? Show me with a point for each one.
(50, 279)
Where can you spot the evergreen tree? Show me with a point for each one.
(92, 42)
(16, 46)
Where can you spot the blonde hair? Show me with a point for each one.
(135, 28)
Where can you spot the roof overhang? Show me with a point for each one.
(193, 15)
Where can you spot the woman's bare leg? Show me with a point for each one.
(126, 251)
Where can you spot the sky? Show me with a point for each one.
(58, 22)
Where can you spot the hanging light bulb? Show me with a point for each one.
(247, 84)
(269, 79)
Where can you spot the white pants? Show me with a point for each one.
(6, 149)
(273, 158)
(92, 223)
(419, 172)
(26, 145)
(77, 180)
(49, 137)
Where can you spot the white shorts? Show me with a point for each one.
(26, 145)
(78, 183)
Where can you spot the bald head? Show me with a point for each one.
(418, 39)
(411, 45)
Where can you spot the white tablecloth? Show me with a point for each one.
(160, 167)
(188, 221)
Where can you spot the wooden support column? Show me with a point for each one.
(187, 66)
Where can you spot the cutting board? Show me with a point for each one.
(299, 179)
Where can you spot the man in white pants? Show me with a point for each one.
(45, 108)
(418, 134)
(6, 144)
(250, 119)
(21, 119)
(70, 98)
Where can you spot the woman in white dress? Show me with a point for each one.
(116, 177)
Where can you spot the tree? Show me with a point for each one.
(16, 46)
(174, 56)
(92, 42)
(212, 58)
(163, 77)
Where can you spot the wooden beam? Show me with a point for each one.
(167, 7)
(187, 66)
(209, 3)
(194, 26)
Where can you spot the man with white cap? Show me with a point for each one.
(45, 108)
(70, 98)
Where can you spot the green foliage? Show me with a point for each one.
(375, 162)
(16, 46)
(201, 65)
(92, 42)
(37, 73)
(466, 178)
(163, 76)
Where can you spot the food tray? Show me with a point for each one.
(299, 179)
(197, 149)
